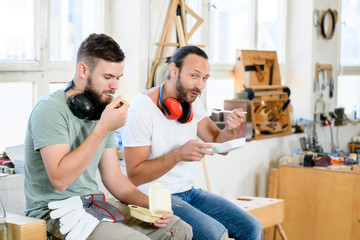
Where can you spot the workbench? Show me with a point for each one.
(320, 203)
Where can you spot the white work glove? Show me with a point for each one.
(63, 207)
(78, 224)
(80, 215)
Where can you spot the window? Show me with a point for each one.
(17, 36)
(37, 56)
(68, 26)
(349, 79)
(218, 90)
(231, 28)
(241, 24)
(271, 25)
(350, 33)
(348, 94)
(15, 113)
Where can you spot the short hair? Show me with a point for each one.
(99, 46)
(181, 53)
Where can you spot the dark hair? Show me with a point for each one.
(99, 46)
(181, 53)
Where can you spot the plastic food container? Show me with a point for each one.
(227, 146)
(159, 203)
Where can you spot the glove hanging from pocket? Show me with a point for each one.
(79, 215)
(103, 210)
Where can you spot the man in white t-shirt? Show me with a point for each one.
(161, 145)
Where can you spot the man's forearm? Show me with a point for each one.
(125, 191)
(226, 135)
(150, 170)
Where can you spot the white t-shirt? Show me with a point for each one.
(146, 125)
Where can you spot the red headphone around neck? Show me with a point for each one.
(182, 112)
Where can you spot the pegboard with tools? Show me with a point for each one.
(270, 105)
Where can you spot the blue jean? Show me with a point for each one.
(211, 215)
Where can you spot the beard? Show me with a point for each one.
(95, 98)
(182, 92)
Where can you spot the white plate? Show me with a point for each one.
(227, 146)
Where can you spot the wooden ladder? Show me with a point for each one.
(181, 30)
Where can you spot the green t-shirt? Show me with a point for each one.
(52, 122)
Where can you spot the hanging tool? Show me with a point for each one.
(331, 83)
(326, 75)
(269, 63)
(316, 78)
(259, 68)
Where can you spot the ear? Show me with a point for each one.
(82, 70)
(174, 70)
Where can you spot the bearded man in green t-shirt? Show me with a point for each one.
(70, 134)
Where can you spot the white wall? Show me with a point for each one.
(130, 28)
(298, 56)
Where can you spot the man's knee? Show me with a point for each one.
(181, 230)
(225, 236)
(257, 229)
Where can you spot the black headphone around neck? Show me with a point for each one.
(80, 105)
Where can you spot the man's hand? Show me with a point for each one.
(115, 114)
(164, 220)
(234, 119)
(193, 150)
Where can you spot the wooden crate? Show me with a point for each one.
(25, 228)
(270, 108)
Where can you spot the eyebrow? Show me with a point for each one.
(207, 75)
(111, 75)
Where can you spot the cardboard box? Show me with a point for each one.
(25, 228)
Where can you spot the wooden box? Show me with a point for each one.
(270, 107)
(25, 228)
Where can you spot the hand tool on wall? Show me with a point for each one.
(331, 83)
(316, 78)
(323, 69)
(258, 68)
(270, 65)
(259, 73)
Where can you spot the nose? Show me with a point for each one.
(200, 84)
(114, 84)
